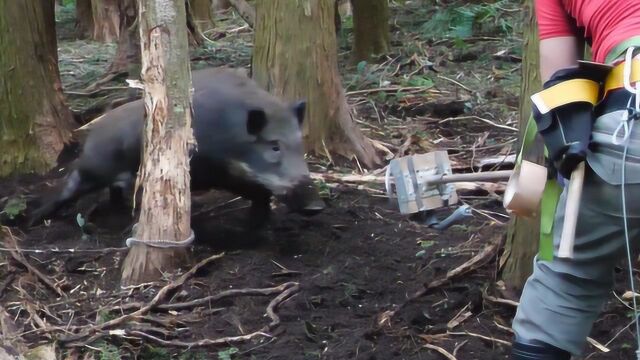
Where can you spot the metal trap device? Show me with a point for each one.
(424, 182)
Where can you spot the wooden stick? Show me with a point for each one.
(572, 209)
(481, 176)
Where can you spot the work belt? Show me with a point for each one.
(575, 90)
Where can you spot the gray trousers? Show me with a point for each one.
(563, 297)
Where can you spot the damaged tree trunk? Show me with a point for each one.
(106, 20)
(295, 56)
(165, 214)
(523, 235)
(370, 29)
(35, 122)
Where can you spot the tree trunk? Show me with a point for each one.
(165, 213)
(370, 28)
(523, 235)
(202, 15)
(127, 58)
(106, 20)
(295, 56)
(219, 5)
(35, 122)
(84, 19)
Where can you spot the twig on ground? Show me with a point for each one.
(146, 308)
(389, 89)
(488, 338)
(203, 342)
(459, 346)
(208, 299)
(473, 117)
(11, 243)
(442, 351)
(455, 82)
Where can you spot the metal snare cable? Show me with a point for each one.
(628, 126)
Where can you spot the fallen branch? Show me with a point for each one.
(146, 308)
(211, 298)
(11, 243)
(289, 290)
(203, 342)
(495, 187)
(473, 117)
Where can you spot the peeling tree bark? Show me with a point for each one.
(295, 56)
(370, 28)
(523, 235)
(164, 174)
(35, 123)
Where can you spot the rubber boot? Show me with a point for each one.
(538, 351)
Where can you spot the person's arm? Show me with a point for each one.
(558, 53)
(559, 42)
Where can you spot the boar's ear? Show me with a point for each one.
(256, 121)
(299, 108)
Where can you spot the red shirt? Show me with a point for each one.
(604, 23)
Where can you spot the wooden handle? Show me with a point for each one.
(572, 207)
(482, 176)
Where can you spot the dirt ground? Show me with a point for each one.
(343, 269)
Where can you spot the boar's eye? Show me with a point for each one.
(275, 146)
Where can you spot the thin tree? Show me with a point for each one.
(84, 19)
(202, 14)
(295, 56)
(523, 233)
(370, 29)
(106, 20)
(35, 122)
(165, 213)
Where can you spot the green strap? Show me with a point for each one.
(619, 50)
(548, 206)
(550, 196)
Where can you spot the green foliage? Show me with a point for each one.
(226, 354)
(155, 353)
(462, 22)
(422, 81)
(323, 188)
(107, 351)
(14, 207)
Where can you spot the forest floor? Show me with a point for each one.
(330, 279)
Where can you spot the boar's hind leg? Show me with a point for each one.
(74, 187)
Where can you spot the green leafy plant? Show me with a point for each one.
(14, 207)
(226, 354)
(462, 22)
